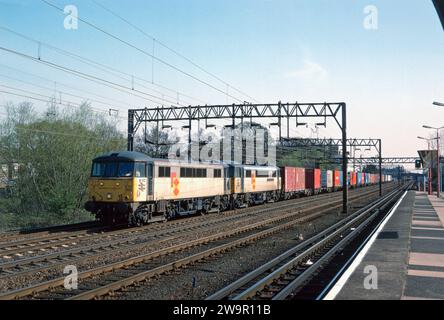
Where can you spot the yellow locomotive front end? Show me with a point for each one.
(113, 190)
(118, 184)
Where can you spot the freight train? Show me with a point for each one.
(130, 187)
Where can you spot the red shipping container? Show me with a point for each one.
(353, 178)
(294, 179)
(313, 179)
(288, 174)
(337, 179)
(300, 179)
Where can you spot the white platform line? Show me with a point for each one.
(331, 295)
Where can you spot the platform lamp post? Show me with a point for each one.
(360, 156)
(438, 189)
(429, 172)
(354, 157)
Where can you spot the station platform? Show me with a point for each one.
(404, 259)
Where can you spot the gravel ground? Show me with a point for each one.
(89, 262)
(209, 276)
(213, 274)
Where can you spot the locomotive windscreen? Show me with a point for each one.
(118, 169)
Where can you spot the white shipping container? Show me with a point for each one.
(329, 179)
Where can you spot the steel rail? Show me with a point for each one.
(78, 255)
(324, 243)
(14, 234)
(334, 279)
(117, 285)
(50, 236)
(38, 244)
(104, 245)
(331, 252)
(310, 245)
(327, 207)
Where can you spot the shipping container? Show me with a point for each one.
(359, 179)
(288, 179)
(313, 180)
(329, 180)
(326, 180)
(337, 179)
(293, 179)
(300, 179)
(352, 179)
(367, 179)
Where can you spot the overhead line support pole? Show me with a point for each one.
(344, 160)
(189, 137)
(130, 144)
(380, 167)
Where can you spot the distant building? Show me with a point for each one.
(8, 173)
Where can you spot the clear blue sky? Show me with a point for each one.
(285, 50)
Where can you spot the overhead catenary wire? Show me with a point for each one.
(85, 99)
(62, 85)
(144, 52)
(66, 134)
(48, 99)
(86, 76)
(171, 49)
(105, 68)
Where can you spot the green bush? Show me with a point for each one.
(53, 153)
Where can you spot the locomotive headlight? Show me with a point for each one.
(109, 196)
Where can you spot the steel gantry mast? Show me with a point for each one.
(291, 144)
(279, 111)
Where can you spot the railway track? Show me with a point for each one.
(287, 276)
(30, 237)
(18, 254)
(101, 280)
(129, 240)
(17, 235)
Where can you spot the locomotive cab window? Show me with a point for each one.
(126, 169)
(98, 169)
(118, 169)
(110, 170)
(140, 170)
